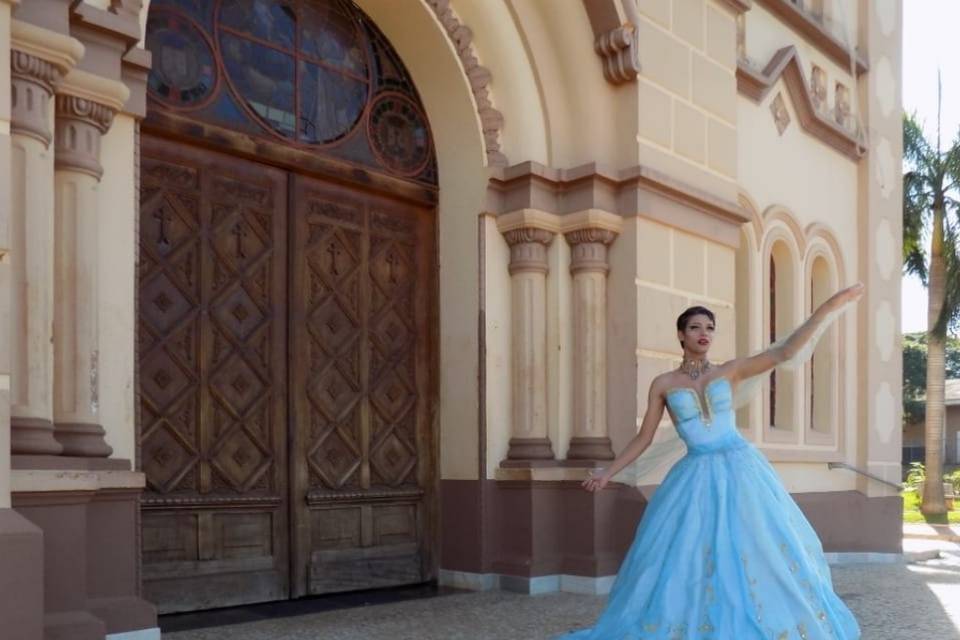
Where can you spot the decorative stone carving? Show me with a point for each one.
(818, 88)
(841, 108)
(618, 49)
(589, 266)
(785, 65)
(780, 114)
(528, 271)
(32, 83)
(79, 125)
(590, 249)
(462, 38)
(528, 249)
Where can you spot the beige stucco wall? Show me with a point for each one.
(687, 93)
(5, 168)
(118, 286)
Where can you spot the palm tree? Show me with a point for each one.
(932, 212)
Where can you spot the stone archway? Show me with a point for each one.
(287, 308)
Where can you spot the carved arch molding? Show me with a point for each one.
(491, 120)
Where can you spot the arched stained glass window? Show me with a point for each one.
(316, 74)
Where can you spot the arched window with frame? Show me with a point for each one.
(781, 400)
(823, 380)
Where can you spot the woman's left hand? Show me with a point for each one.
(597, 481)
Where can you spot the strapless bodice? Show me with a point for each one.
(708, 424)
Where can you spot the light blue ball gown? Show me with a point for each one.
(722, 551)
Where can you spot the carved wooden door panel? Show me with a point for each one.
(212, 330)
(360, 326)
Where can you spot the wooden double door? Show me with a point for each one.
(285, 351)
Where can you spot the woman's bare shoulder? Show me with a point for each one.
(663, 383)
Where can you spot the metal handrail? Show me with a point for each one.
(844, 465)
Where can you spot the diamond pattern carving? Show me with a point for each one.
(334, 461)
(167, 304)
(239, 314)
(393, 460)
(392, 332)
(333, 326)
(162, 380)
(334, 394)
(240, 459)
(237, 385)
(393, 396)
(167, 458)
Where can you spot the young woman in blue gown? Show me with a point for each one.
(722, 551)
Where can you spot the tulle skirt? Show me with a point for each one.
(723, 552)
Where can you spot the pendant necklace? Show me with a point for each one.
(695, 368)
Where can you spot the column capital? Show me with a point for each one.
(80, 123)
(590, 249)
(528, 249)
(32, 82)
(591, 235)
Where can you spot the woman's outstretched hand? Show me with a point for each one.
(844, 296)
(597, 481)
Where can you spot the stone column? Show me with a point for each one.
(80, 122)
(21, 542)
(31, 230)
(528, 275)
(589, 266)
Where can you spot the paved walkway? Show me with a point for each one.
(919, 601)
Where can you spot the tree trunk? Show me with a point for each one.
(933, 500)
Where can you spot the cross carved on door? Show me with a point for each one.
(162, 216)
(392, 262)
(239, 233)
(334, 252)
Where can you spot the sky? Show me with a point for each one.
(929, 42)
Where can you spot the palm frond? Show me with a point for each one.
(916, 206)
(917, 151)
(949, 319)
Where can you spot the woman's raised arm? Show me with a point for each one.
(743, 368)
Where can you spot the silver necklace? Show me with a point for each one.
(695, 368)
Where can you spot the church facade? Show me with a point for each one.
(311, 296)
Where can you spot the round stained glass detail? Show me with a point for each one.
(317, 75)
(299, 67)
(399, 134)
(184, 73)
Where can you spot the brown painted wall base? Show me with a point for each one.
(850, 521)
(21, 577)
(87, 568)
(530, 528)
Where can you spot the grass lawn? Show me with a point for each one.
(911, 511)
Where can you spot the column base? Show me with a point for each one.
(530, 449)
(82, 439)
(21, 577)
(73, 625)
(590, 449)
(124, 614)
(33, 436)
